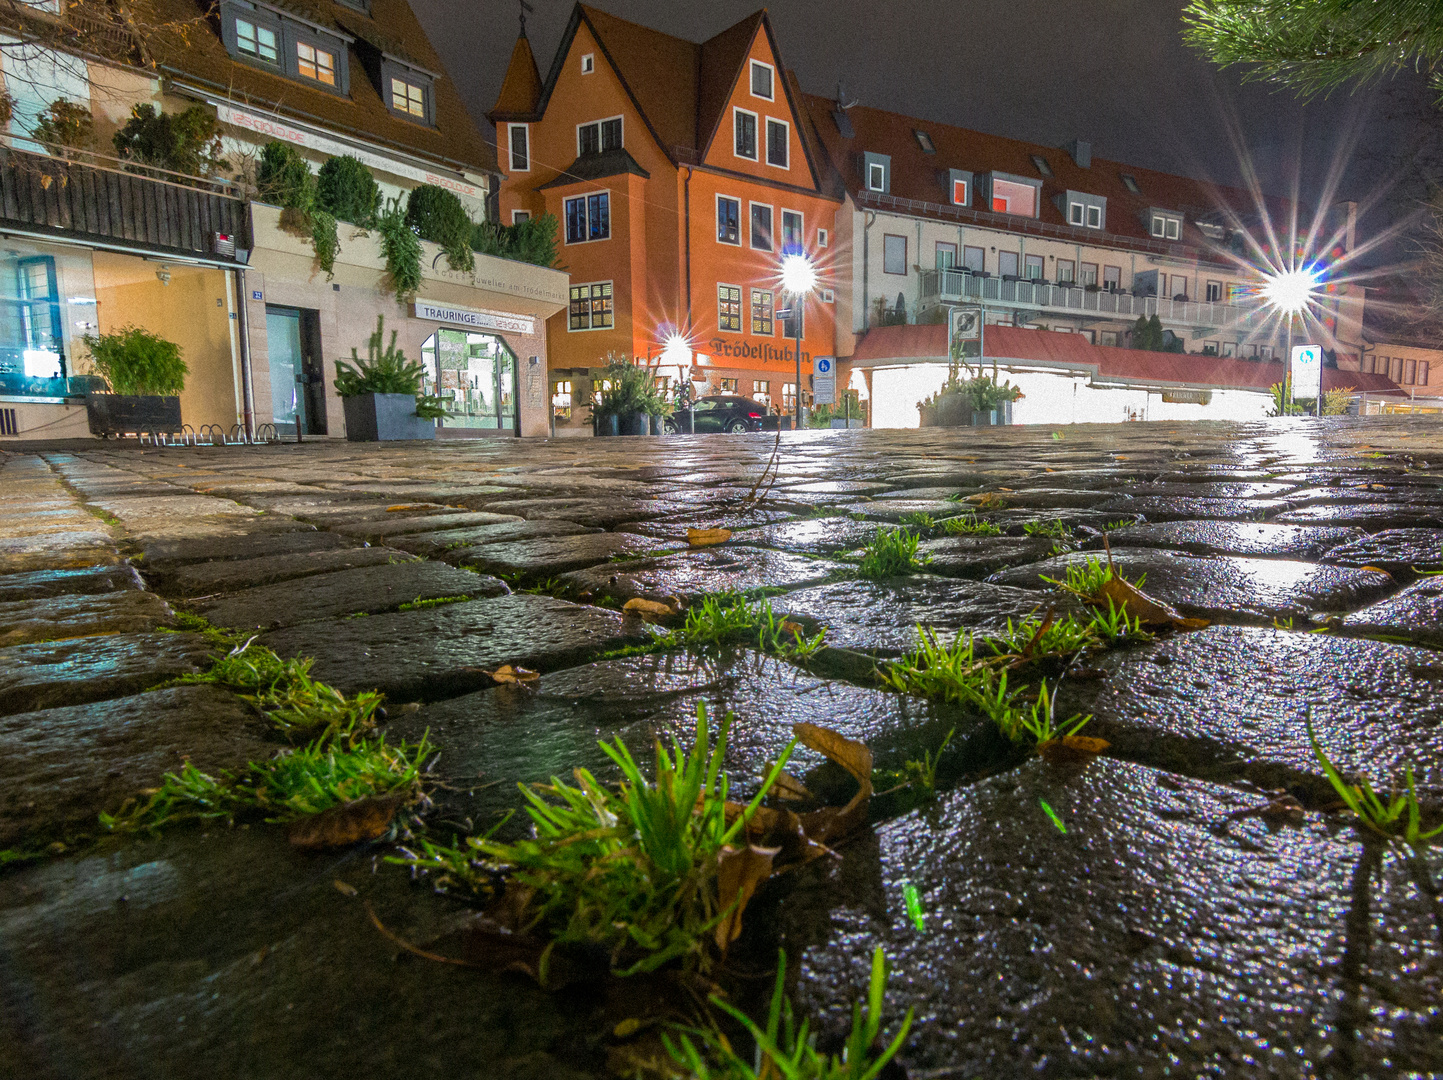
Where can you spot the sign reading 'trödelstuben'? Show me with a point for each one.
(476, 320)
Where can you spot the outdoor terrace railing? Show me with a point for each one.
(960, 286)
(94, 202)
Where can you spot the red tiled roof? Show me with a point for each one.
(919, 175)
(196, 54)
(1075, 351)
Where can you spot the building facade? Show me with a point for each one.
(680, 173)
(193, 257)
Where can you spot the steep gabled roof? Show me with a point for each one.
(521, 89)
(920, 176)
(679, 88)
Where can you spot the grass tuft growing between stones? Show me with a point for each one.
(970, 525)
(730, 619)
(1088, 579)
(889, 553)
(298, 784)
(636, 871)
(436, 601)
(786, 1050)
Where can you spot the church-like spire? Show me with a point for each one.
(521, 89)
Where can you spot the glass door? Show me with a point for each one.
(283, 345)
(476, 374)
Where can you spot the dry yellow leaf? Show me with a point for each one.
(507, 674)
(1072, 749)
(707, 537)
(786, 626)
(405, 506)
(1143, 607)
(739, 871)
(649, 610)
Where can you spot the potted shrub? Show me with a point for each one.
(628, 403)
(145, 374)
(382, 394)
(977, 401)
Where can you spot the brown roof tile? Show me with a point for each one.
(521, 89)
(660, 72)
(392, 27)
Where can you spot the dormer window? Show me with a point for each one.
(598, 136)
(256, 40)
(959, 187)
(314, 62)
(762, 81)
(410, 94)
(1164, 225)
(924, 141)
(877, 172)
(1015, 195)
(588, 63)
(1084, 211)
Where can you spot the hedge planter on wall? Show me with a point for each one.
(385, 418)
(131, 414)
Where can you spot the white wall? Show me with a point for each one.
(1056, 397)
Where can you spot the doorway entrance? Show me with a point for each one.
(476, 374)
(298, 380)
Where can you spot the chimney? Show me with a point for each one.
(1081, 153)
(1349, 214)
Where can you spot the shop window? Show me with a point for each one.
(31, 341)
(762, 324)
(728, 220)
(729, 308)
(591, 306)
(762, 391)
(728, 386)
(561, 399)
(588, 217)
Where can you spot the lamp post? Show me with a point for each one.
(799, 277)
(1290, 292)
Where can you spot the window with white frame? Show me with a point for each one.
(1032, 267)
(588, 63)
(789, 395)
(1214, 291)
(588, 217)
(762, 319)
(894, 254)
(959, 192)
(518, 216)
(744, 143)
(256, 40)
(1094, 217)
(762, 391)
(591, 306)
(762, 80)
(314, 62)
(946, 255)
(1076, 213)
(876, 177)
(778, 145)
(1112, 277)
(728, 220)
(1084, 215)
(793, 238)
(1166, 227)
(1089, 274)
(821, 238)
(729, 308)
(520, 140)
(761, 227)
(598, 136)
(1066, 270)
(561, 399)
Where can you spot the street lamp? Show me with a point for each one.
(1290, 292)
(799, 277)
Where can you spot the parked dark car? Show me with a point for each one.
(723, 412)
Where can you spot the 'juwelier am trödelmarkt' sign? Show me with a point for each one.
(476, 320)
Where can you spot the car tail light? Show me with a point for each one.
(754, 415)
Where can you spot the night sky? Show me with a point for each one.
(1114, 72)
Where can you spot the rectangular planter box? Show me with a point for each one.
(130, 414)
(385, 418)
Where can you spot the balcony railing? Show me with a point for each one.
(91, 202)
(960, 286)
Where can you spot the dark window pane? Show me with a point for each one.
(762, 81)
(728, 213)
(776, 143)
(762, 227)
(746, 135)
(598, 209)
(590, 139)
(611, 134)
(575, 221)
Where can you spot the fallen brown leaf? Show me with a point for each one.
(1072, 749)
(739, 871)
(1143, 607)
(827, 825)
(405, 506)
(707, 537)
(789, 787)
(507, 674)
(786, 626)
(349, 823)
(648, 610)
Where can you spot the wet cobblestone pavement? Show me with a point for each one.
(1207, 911)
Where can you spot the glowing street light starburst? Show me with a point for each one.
(799, 274)
(1290, 291)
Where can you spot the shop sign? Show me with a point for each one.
(475, 320)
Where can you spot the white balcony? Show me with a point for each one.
(961, 286)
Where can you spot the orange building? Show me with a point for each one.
(679, 173)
